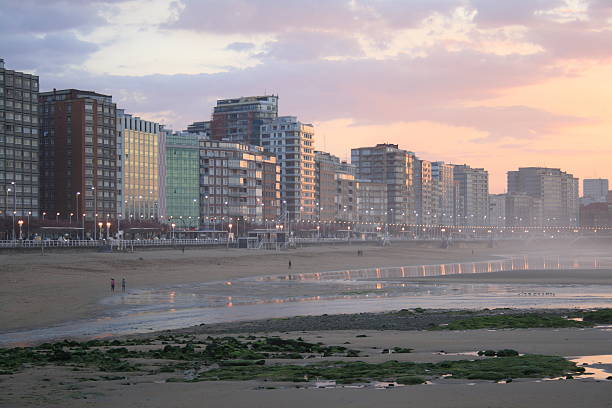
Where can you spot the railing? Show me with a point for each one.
(115, 243)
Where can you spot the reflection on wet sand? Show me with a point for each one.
(513, 264)
(349, 291)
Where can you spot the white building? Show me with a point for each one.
(293, 144)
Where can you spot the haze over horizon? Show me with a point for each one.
(498, 85)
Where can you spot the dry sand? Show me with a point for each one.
(58, 387)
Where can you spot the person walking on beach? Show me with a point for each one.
(123, 285)
(112, 284)
(290, 264)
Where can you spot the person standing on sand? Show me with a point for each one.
(112, 284)
(123, 285)
(290, 264)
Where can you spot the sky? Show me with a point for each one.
(498, 84)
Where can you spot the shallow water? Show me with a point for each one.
(350, 291)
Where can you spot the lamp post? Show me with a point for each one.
(83, 225)
(29, 213)
(43, 214)
(76, 210)
(57, 217)
(71, 214)
(173, 225)
(108, 224)
(100, 224)
(20, 222)
(228, 235)
(95, 211)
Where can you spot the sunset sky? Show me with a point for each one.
(492, 83)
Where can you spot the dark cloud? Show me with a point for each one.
(34, 16)
(47, 53)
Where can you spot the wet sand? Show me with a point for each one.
(39, 291)
(59, 387)
(67, 286)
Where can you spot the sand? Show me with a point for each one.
(59, 387)
(63, 286)
(39, 291)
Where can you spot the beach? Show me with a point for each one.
(74, 288)
(62, 286)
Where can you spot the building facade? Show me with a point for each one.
(336, 189)
(233, 179)
(293, 144)
(371, 202)
(523, 210)
(182, 184)
(394, 167)
(472, 199)
(140, 172)
(426, 205)
(240, 119)
(444, 192)
(594, 191)
(557, 190)
(78, 155)
(19, 143)
(497, 210)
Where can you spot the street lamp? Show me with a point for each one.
(29, 213)
(57, 217)
(20, 222)
(100, 224)
(83, 225)
(173, 225)
(95, 211)
(78, 193)
(43, 214)
(71, 214)
(108, 224)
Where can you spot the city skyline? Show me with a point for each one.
(497, 86)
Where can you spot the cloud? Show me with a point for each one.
(48, 53)
(240, 46)
(302, 46)
(262, 16)
(33, 16)
(513, 12)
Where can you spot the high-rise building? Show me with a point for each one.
(523, 210)
(238, 183)
(557, 190)
(497, 210)
(182, 152)
(472, 201)
(19, 143)
(293, 144)
(202, 128)
(371, 202)
(336, 189)
(594, 191)
(444, 192)
(240, 119)
(388, 164)
(78, 154)
(426, 208)
(140, 170)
